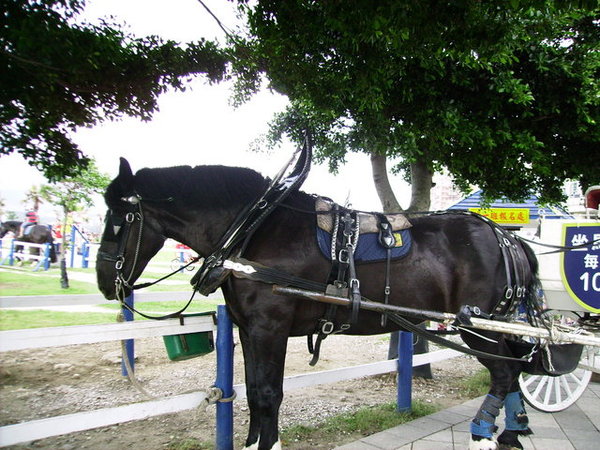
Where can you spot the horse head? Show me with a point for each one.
(130, 238)
(8, 226)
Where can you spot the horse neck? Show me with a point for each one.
(197, 228)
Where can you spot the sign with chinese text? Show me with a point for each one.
(580, 267)
(513, 216)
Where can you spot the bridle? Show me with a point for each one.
(121, 228)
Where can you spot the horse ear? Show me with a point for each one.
(125, 174)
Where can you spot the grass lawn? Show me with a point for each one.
(19, 281)
(22, 281)
(11, 319)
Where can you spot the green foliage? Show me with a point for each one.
(477, 384)
(504, 95)
(74, 192)
(58, 75)
(363, 422)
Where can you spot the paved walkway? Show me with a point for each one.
(576, 428)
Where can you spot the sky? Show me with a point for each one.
(195, 127)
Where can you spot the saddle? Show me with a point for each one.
(377, 233)
(346, 238)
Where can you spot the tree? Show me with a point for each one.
(34, 198)
(505, 95)
(58, 75)
(71, 194)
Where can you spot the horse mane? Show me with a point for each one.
(208, 186)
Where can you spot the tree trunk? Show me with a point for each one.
(64, 278)
(421, 178)
(421, 184)
(382, 184)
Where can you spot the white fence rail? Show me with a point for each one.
(10, 253)
(86, 334)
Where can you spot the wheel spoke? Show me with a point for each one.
(548, 391)
(539, 387)
(557, 391)
(530, 379)
(566, 386)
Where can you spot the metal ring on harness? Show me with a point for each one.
(327, 327)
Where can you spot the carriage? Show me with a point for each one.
(572, 290)
(415, 270)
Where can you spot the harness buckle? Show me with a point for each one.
(344, 256)
(119, 263)
(327, 327)
(130, 217)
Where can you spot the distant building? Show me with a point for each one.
(444, 194)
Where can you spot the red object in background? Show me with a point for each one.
(31, 217)
(592, 197)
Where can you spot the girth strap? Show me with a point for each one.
(388, 241)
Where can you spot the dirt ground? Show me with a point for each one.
(42, 383)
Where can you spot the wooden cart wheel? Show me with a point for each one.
(551, 394)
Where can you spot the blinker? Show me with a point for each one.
(133, 199)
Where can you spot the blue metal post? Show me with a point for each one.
(129, 343)
(72, 246)
(405, 362)
(85, 254)
(47, 256)
(11, 255)
(224, 381)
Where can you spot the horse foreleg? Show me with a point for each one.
(516, 421)
(483, 426)
(251, 392)
(264, 361)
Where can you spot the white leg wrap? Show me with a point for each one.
(484, 444)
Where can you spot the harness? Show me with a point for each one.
(213, 273)
(343, 282)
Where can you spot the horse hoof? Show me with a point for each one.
(276, 446)
(483, 444)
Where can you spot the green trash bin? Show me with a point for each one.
(189, 345)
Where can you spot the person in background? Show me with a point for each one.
(31, 219)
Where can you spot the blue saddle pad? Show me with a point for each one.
(368, 248)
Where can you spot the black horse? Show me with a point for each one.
(36, 234)
(455, 260)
